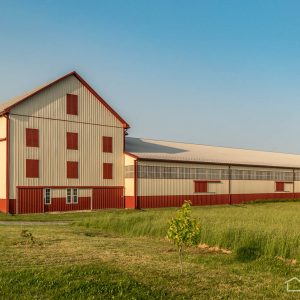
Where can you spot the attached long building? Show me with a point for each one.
(63, 148)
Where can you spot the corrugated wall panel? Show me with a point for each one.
(108, 198)
(3, 158)
(2, 127)
(53, 155)
(156, 187)
(59, 204)
(3, 170)
(30, 201)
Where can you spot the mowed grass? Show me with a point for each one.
(124, 255)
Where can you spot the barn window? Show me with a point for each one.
(107, 144)
(32, 137)
(32, 168)
(72, 169)
(72, 140)
(72, 104)
(47, 196)
(279, 186)
(72, 196)
(201, 186)
(107, 171)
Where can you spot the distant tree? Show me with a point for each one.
(184, 231)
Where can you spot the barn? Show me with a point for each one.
(163, 173)
(63, 148)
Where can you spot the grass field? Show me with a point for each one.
(124, 255)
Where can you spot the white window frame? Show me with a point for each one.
(72, 196)
(45, 196)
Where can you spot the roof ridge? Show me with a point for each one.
(215, 146)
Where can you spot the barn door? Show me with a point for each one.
(30, 200)
(107, 198)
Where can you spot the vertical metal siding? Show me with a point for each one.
(59, 204)
(30, 201)
(53, 154)
(108, 198)
(52, 103)
(2, 158)
(47, 112)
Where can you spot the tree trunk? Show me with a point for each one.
(180, 258)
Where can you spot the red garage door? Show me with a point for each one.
(30, 201)
(108, 198)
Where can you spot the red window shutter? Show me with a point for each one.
(72, 140)
(107, 171)
(107, 144)
(72, 104)
(72, 169)
(279, 186)
(32, 168)
(201, 186)
(32, 137)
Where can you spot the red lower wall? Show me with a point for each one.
(59, 204)
(173, 200)
(84, 203)
(3, 206)
(130, 202)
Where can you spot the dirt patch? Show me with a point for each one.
(214, 249)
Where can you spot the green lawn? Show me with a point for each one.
(124, 255)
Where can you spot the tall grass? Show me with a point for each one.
(273, 228)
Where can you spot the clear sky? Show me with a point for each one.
(211, 72)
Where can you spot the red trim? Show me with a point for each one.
(3, 140)
(209, 181)
(125, 125)
(131, 155)
(68, 186)
(7, 160)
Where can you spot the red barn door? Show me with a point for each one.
(108, 198)
(30, 201)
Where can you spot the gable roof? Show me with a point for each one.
(7, 106)
(148, 149)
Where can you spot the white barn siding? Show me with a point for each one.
(46, 111)
(3, 121)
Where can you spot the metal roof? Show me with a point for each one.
(175, 151)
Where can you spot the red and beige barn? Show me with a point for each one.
(63, 148)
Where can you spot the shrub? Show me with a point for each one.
(184, 231)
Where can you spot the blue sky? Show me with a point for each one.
(211, 72)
